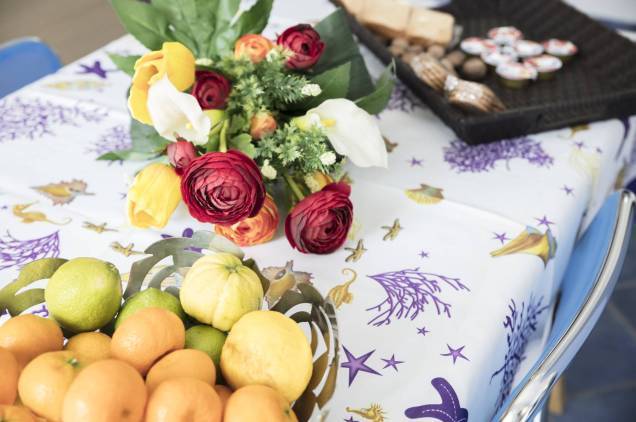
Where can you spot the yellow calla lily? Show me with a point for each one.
(174, 60)
(153, 197)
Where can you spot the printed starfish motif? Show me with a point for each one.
(579, 144)
(422, 331)
(95, 68)
(390, 146)
(501, 237)
(544, 221)
(455, 353)
(356, 253)
(97, 228)
(449, 410)
(423, 254)
(125, 250)
(392, 362)
(568, 190)
(415, 162)
(350, 419)
(392, 231)
(357, 364)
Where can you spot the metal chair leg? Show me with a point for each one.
(556, 404)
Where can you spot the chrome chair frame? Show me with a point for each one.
(528, 399)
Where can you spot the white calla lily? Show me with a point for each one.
(352, 132)
(175, 113)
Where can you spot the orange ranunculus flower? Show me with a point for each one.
(253, 46)
(255, 230)
(262, 124)
(174, 60)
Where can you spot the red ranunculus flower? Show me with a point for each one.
(180, 154)
(223, 187)
(304, 42)
(320, 222)
(211, 89)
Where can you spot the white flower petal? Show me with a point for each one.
(175, 113)
(352, 132)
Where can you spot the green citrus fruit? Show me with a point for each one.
(150, 298)
(206, 339)
(84, 294)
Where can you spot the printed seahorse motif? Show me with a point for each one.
(373, 413)
(27, 217)
(283, 279)
(340, 294)
(449, 410)
(125, 250)
(63, 192)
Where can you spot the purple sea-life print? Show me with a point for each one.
(33, 118)
(465, 158)
(449, 410)
(403, 99)
(519, 325)
(16, 253)
(41, 311)
(95, 68)
(115, 138)
(187, 232)
(408, 292)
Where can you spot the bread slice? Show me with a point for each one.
(386, 17)
(353, 6)
(428, 27)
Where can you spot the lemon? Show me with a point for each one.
(150, 298)
(267, 348)
(206, 339)
(84, 294)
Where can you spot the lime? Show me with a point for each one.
(207, 339)
(84, 294)
(150, 298)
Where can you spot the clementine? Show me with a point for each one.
(10, 372)
(90, 347)
(106, 391)
(45, 380)
(27, 336)
(184, 400)
(146, 336)
(16, 414)
(258, 403)
(181, 363)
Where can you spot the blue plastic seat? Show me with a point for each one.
(587, 285)
(23, 61)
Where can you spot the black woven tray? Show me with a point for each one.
(599, 83)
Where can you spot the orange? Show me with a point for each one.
(146, 336)
(181, 363)
(106, 391)
(16, 414)
(89, 347)
(184, 400)
(45, 380)
(224, 393)
(258, 403)
(29, 335)
(10, 372)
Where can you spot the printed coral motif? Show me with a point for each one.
(449, 410)
(409, 292)
(63, 193)
(116, 138)
(531, 242)
(16, 253)
(519, 324)
(33, 118)
(465, 158)
(402, 99)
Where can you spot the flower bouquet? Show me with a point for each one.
(248, 124)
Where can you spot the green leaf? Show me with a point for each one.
(378, 99)
(334, 83)
(127, 155)
(124, 63)
(254, 20)
(145, 22)
(341, 47)
(243, 143)
(145, 138)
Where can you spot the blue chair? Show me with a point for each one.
(23, 61)
(587, 285)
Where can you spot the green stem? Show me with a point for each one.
(298, 194)
(223, 136)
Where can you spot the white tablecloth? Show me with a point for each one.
(429, 304)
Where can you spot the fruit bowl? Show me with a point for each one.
(164, 267)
